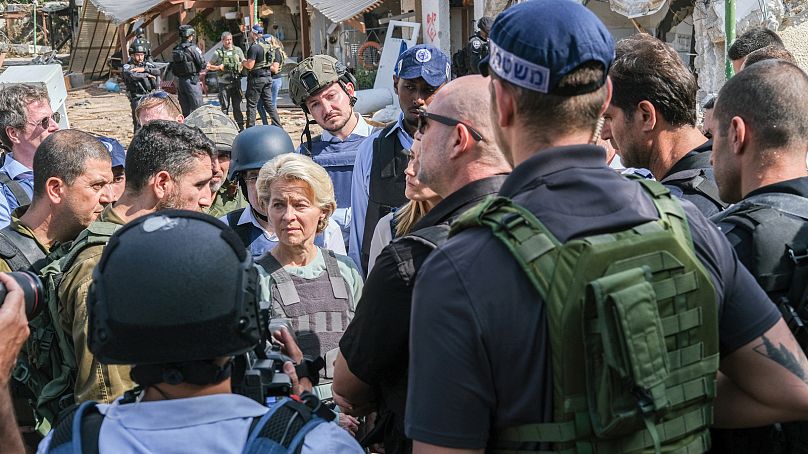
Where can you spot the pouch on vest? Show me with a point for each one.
(47, 365)
(633, 329)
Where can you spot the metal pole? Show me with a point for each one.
(729, 29)
(35, 52)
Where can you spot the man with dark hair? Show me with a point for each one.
(752, 40)
(759, 157)
(72, 178)
(378, 177)
(461, 163)
(768, 53)
(551, 316)
(118, 154)
(652, 120)
(26, 119)
(324, 89)
(168, 165)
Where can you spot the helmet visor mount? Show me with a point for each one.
(310, 82)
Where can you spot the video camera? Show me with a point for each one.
(259, 374)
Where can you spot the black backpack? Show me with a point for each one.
(182, 64)
(280, 430)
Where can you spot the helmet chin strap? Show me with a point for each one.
(259, 215)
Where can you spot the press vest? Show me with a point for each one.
(338, 159)
(387, 183)
(318, 308)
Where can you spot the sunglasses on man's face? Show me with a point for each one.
(45, 122)
(424, 116)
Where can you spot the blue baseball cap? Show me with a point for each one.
(116, 151)
(424, 60)
(535, 44)
(258, 29)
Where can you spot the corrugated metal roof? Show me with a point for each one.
(340, 10)
(122, 10)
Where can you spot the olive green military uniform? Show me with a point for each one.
(94, 381)
(230, 81)
(228, 198)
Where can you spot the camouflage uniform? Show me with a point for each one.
(220, 129)
(94, 381)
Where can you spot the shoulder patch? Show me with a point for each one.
(476, 44)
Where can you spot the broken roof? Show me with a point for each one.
(122, 10)
(340, 10)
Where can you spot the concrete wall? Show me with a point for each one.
(795, 39)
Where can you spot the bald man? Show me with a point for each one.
(461, 162)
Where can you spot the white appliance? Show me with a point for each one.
(49, 76)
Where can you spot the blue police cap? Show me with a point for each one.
(424, 60)
(116, 150)
(535, 44)
(258, 29)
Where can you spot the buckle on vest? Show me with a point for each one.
(510, 220)
(39, 354)
(798, 259)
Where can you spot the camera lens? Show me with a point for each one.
(32, 290)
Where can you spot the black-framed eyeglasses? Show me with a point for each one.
(45, 122)
(423, 116)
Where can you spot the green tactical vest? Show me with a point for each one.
(269, 56)
(47, 364)
(230, 60)
(633, 329)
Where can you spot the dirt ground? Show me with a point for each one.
(98, 111)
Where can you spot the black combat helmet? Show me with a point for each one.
(173, 287)
(255, 146)
(138, 47)
(186, 31)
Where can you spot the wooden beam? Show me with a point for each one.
(171, 40)
(305, 25)
(123, 41)
(145, 24)
(251, 5)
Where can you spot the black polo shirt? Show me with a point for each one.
(376, 343)
(479, 346)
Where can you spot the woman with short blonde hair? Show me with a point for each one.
(314, 289)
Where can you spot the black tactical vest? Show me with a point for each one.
(387, 184)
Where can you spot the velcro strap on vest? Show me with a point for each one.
(681, 322)
(334, 276)
(286, 288)
(520, 437)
